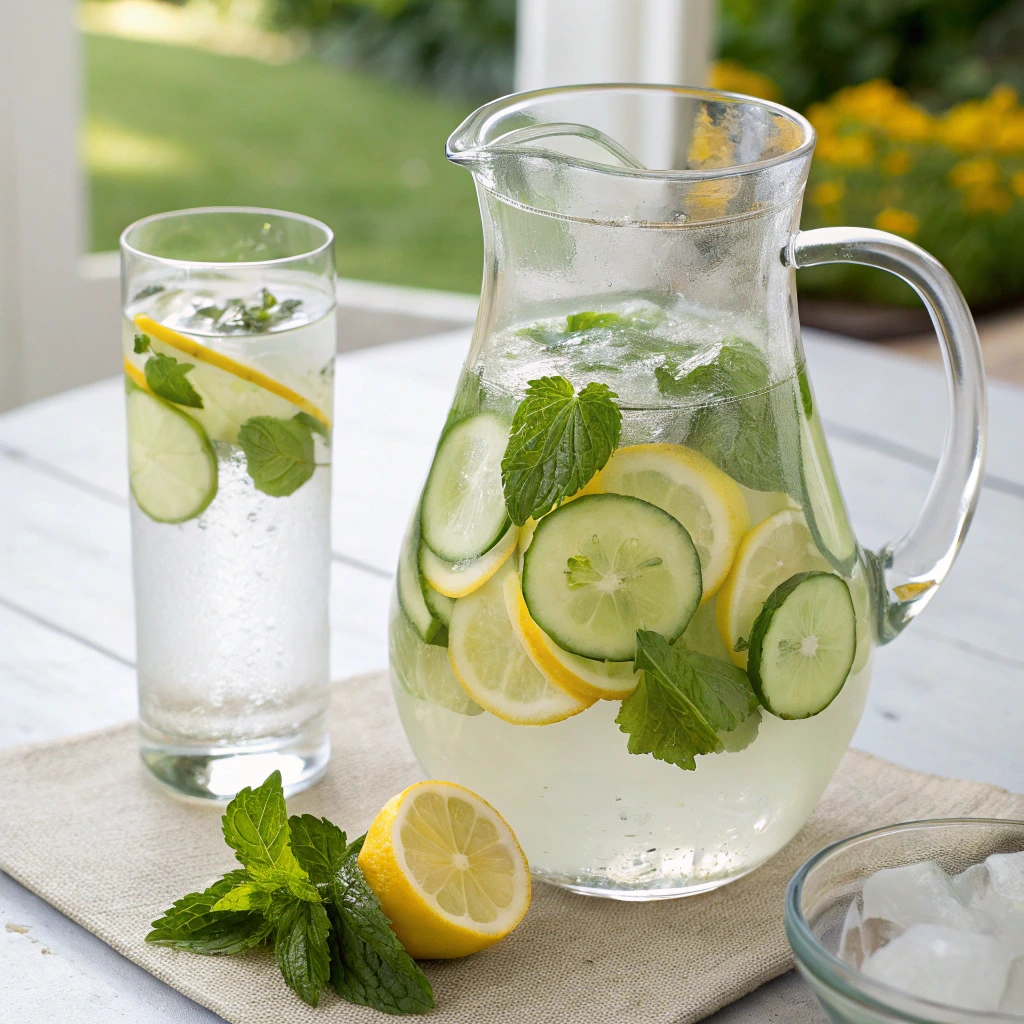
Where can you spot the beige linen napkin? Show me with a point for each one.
(81, 826)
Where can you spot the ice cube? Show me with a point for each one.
(1013, 997)
(1002, 900)
(970, 884)
(916, 894)
(944, 965)
(876, 932)
(850, 949)
(1006, 876)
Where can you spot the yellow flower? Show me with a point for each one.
(1009, 136)
(1017, 183)
(828, 192)
(982, 171)
(732, 77)
(897, 162)
(825, 119)
(899, 222)
(847, 150)
(879, 104)
(1002, 99)
(987, 199)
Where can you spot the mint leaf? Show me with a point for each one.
(166, 378)
(558, 441)
(300, 945)
(278, 454)
(735, 740)
(141, 344)
(312, 423)
(192, 923)
(741, 424)
(586, 321)
(256, 828)
(682, 701)
(369, 966)
(246, 896)
(147, 292)
(319, 847)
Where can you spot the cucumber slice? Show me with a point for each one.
(605, 565)
(440, 604)
(803, 644)
(423, 670)
(463, 510)
(412, 588)
(172, 467)
(824, 508)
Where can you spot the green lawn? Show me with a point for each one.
(171, 127)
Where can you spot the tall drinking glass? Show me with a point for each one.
(228, 343)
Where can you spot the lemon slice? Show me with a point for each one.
(693, 490)
(777, 548)
(447, 870)
(585, 678)
(458, 579)
(232, 391)
(495, 669)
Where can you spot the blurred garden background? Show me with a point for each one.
(339, 109)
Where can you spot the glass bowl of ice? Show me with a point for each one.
(919, 922)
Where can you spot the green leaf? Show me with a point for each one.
(735, 740)
(558, 441)
(369, 966)
(278, 454)
(741, 423)
(246, 896)
(300, 945)
(141, 344)
(586, 321)
(312, 423)
(256, 828)
(147, 292)
(192, 923)
(683, 700)
(166, 378)
(319, 847)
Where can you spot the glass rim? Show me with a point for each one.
(838, 976)
(127, 247)
(459, 150)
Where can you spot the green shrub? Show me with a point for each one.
(941, 51)
(459, 47)
(954, 183)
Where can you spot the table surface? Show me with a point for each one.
(946, 697)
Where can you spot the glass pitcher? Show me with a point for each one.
(630, 611)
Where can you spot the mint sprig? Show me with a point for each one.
(300, 889)
(558, 441)
(166, 377)
(682, 702)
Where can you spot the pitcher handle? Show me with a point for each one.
(906, 572)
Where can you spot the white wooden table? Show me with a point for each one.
(948, 695)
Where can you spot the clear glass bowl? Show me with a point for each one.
(821, 892)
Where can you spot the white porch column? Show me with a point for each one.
(570, 42)
(58, 322)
